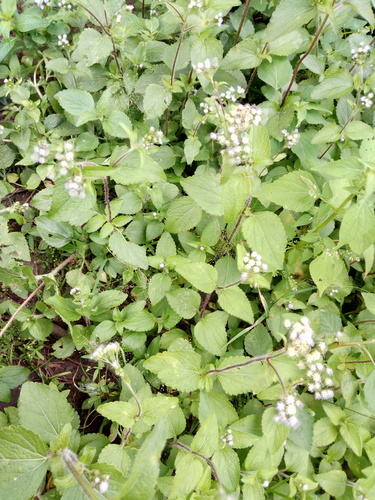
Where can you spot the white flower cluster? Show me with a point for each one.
(103, 485)
(40, 153)
(359, 55)
(42, 3)
(107, 353)
(1, 130)
(195, 4)
(301, 338)
(253, 262)
(62, 40)
(287, 408)
(66, 159)
(232, 94)
(153, 137)
(367, 101)
(235, 139)
(320, 382)
(76, 187)
(228, 438)
(64, 4)
(291, 138)
(206, 108)
(206, 66)
(219, 18)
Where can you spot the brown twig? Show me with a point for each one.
(244, 14)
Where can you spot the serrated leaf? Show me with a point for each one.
(288, 16)
(64, 308)
(352, 437)
(265, 233)
(242, 378)
(182, 215)
(45, 410)
(227, 464)
(126, 252)
(112, 124)
(234, 301)
(244, 55)
(177, 369)
(211, 333)
(334, 86)
(327, 270)
(184, 302)
(119, 411)
(205, 190)
(206, 440)
(93, 47)
(276, 73)
(75, 101)
(274, 432)
(157, 286)
(23, 462)
(28, 22)
(358, 227)
(192, 146)
(13, 376)
(189, 471)
(217, 402)
(141, 321)
(156, 407)
(324, 432)
(199, 274)
(333, 482)
(294, 191)
(156, 100)
(232, 205)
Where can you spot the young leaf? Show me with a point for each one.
(206, 440)
(234, 301)
(211, 333)
(156, 100)
(127, 252)
(244, 55)
(199, 274)
(45, 410)
(276, 73)
(327, 270)
(23, 462)
(182, 215)
(227, 464)
(184, 302)
(119, 411)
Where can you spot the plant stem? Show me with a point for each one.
(206, 459)
(257, 359)
(296, 69)
(332, 216)
(106, 198)
(81, 480)
(239, 220)
(278, 376)
(254, 72)
(244, 14)
(27, 300)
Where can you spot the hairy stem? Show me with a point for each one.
(257, 359)
(296, 69)
(244, 14)
(239, 220)
(278, 376)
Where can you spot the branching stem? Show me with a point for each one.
(257, 359)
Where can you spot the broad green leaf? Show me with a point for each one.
(45, 410)
(369, 299)
(115, 455)
(28, 22)
(104, 331)
(227, 464)
(5, 47)
(287, 17)
(157, 286)
(358, 227)
(253, 492)
(192, 147)
(184, 302)
(199, 274)
(93, 47)
(259, 143)
(358, 131)
(236, 377)
(103, 301)
(206, 440)
(324, 432)
(327, 270)
(177, 369)
(265, 233)
(333, 482)
(7, 156)
(258, 341)
(347, 168)
(141, 483)
(75, 101)
(64, 308)
(240, 184)
(276, 73)
(189, 470)
(119, 411)
(329, 133)
(274, 432)
(182, 215)
(216, 402)
(288, 44)
(156, 100)
(211, 333)
(234, 301)
(246, 431)
(13, 376)
(334, 86)
(244, 55)
(112, 124)
(302, 435)
(295, 191)
(352, 437)
(127, 252)
(369, 391)
(141, 321)
(205, 190)
(156, 407)
(23, 462)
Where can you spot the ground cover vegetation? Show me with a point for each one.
(187, 245)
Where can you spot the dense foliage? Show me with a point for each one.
(187, 193)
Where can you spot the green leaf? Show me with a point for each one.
(244, 55)
(93, 47)
(232, 205)
(334, 86)
(112, 124)
(227, 464)
(276, 73)
(141, 321)
(243, 378)
(192, 147)
(206, 440)
(45, 410)
(234, 301)
(189, 471)
(333, 482)
(199, 274)
(28, 22)
(182, 215)
(13, 376)
(358, 227)
(287, 17)
(258, 341)
(358, 131)
(347, 168)
(104, 331)
(127, 252)
(64, 308)
(177, 369)
(324, 432)
(265, 233)
(295, 191)
(288, 44)
(156, 100)
(327, 270)
(7, 156)
(211, 333)
(184, 302)
(369, 299)
(259, 143)
(205, 190)
(303, 434)
(369, 391)
(119, 411)
(352, 437)
(115, 455)
(5, 47)
(75, 101)
(274, 432)
(23, 462)
(329, 133)
(141, 483)
(218, 403)
(156, 407)
(157, 286)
